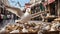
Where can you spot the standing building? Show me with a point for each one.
(2, 5)
(53, 6)
(34, 1)
(6, 2)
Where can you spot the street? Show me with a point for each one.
(5, 22)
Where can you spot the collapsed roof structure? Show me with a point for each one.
(25, 17)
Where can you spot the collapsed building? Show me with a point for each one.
(23, 24)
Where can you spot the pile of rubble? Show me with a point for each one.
(30, 27)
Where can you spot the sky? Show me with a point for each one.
(22, 2)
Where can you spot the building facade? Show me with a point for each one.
(53, 6)
(34, 1)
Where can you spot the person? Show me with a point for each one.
(4, 20)
(12, 18)
(8, 16)
(42, 16)
(1, 18)
(48, 14)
